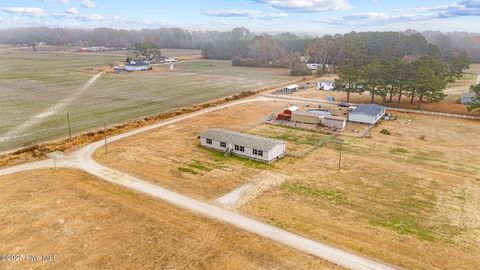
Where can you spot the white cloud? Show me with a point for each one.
(232, 13)
(308, 5)
(63, 1)
(88, 3)
(247, 13)
(94, 17)
(218, 22)
(458, 9)
(272, 16)
(72, 11)
(29, 11)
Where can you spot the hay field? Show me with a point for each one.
(90, 224)
(32, 82)
(410, 199)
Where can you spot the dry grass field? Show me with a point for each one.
(172, 157)
(33, 82)
(90, 224)
(410, 198)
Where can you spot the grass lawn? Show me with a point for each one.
(32, 82)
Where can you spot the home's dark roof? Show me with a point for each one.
(242, 139)
(369, 109)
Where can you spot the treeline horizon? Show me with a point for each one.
(220, 44)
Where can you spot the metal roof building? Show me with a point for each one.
(241, 144)
(467, 98)
(367, 114)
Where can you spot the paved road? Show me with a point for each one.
(82, 159)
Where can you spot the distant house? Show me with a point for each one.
(325, 86)
(245, 145)
(367, 114)
(314, 66)
(290, 89)
(137, 65)
(170, 60)
(467, 98)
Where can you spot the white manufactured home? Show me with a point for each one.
(137, 65)
(367, 114)
(244, 145)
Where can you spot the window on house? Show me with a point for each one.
(239, 148)
(258, 152)
(209, 141)
(223, 144)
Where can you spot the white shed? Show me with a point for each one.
(245, 145)
(367, 114)
(326, 86)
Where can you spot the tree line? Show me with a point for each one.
(424, 78)
(453, 43)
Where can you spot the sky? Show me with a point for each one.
(272, 16)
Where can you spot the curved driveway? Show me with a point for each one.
(82, 159)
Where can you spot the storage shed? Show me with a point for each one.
(290, 110)
(245, 145)
(306, 117)
(335, 122)
(367, 114)
(290, 89)
(284, 117)
(325, 86)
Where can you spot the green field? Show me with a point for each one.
(32, 82)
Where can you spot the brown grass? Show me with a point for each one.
(409, 198)
(40, 150)
(171, 156)
(91, 224)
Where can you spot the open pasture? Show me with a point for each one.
(39, 88)
(415, 189)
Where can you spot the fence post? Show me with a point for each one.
(105, 136)
(69, 128)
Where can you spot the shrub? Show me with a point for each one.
(385, 132)
(300, 72)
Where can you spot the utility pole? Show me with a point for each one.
(69, 128)
(105, 136)
(340, 156)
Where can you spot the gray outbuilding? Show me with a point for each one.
(336, 122)
(468, 98)
(367, 114)
(245, 145)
